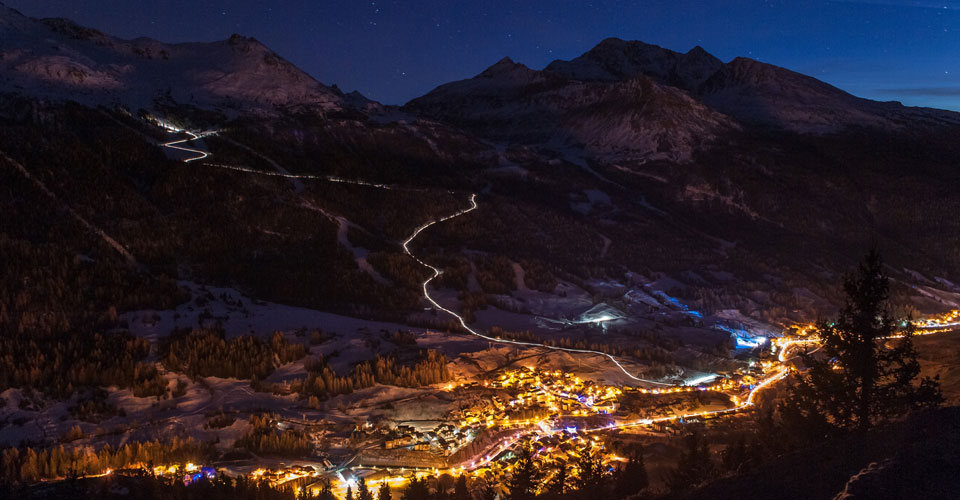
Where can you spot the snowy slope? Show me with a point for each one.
(633, 117)
(763, 93)
(666, 101)
(614, 59)
(56, 58)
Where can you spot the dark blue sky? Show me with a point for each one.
(393, 51)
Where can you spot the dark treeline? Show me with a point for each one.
(529, 479)
(266, 438)
(27, 465)
(145, 486)
(495, 274)
(50, 289)
(59, 276)
(59, 366)
(322, 382)
(205, 352)
(224, 227)
(92, 406)
(387, 153)
(586, 477)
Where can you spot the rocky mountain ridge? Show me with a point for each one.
(59, 59)
(745, 90)
(509, 102)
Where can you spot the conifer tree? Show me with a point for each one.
(363, 493)
(417, 489)
(632, 477)
(384, 492)
(559, 484)
(525, 476)
(695, 467)
(591, 476)
(460, 491)
(736, 455)
(866, 371)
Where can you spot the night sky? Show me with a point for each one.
(393, 51)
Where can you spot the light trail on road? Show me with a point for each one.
(327, 178)
(206, 154)
(193, 137)
(406, 248)
(436, 272)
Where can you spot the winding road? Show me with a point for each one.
(491, 453)
(436, 272)
(193, 137)
(406, 248)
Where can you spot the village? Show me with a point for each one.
(558, 413)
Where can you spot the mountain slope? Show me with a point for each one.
(56, 58)
(762, 93)
(671, 187)
(746, 90)
(634, 117)
(614, 59)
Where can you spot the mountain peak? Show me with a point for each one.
(618, 44)
(505, 65)
(698, 51)
(599, 112)
(71, 29)
(60, 59)
(614, 59)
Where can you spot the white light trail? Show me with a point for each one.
(327, 178)
(463, 323)
(406, 247)
(193, 137)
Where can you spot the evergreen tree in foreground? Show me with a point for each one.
(417, 489)
(560, 483)
(866, 371)
(631, 478)
(384, 492)
(695, 467)
(460, 490)
(525, 477)
(591, 476)
(364, 493)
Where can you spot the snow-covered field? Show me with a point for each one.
(240, 315)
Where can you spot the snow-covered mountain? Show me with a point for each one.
(763, 93)
(55, 58)
(632, 116)
(681, 178)
(621, 99)
(615, 59)
(745, 90)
